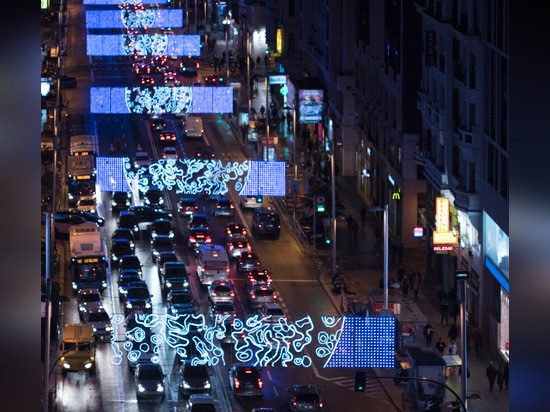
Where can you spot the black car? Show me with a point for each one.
(248, 261)
(126, 277)
(175, 277)
(130, 261)
(149, 214)
(198, 220)
(204, 152)
(224, 207)
(121, 247)
(180, 302)
(194, 379)
(161, 243)
(120, 201)
(163, 257)
(266, 222)
(198, 236)
(187, 206)
(123, 234)
(162, 227)
(63, 222)
(157, 123)
(304, 398)
(91, 217)
(245, 380)
(138, 299)
(128, 220)
(154, 198)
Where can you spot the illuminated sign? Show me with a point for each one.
(445, 238)
(277, 79)
(442, 214)
(418, 232)
(310, 105)
(279, 41)
(345, 342)
(443, 248)
(44, 4)
(81, 261)
(119, 2)
(194, 176)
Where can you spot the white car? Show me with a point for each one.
(142, 159)
(87, 204)
(170, 153)
(201, 402)
(250, 202)
(271, 313)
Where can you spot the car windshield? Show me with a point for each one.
(98, 317)
(195, 372)
(90, 297)
(181, 298)
(263, 292)
(203, 407)
(275, 312)
(224, 308)
(162, 242)
(150, 373)
(138, 293)
(307, 397)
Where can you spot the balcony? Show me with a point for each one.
(464, 200)
(438, 178)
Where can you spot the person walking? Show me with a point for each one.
(349, 221)
(453, 332)
(405, 286)
(258, 61)
(363, 215)
(428, 333)
(416, 285)
(440, 345)
(451, 348)
(500, 377)
(491, 373)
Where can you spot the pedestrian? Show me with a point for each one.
(491, 373)
(405, 286)
(440, 345)
(500, 377)
(477, 339)
(453, 332)
(262, 111)
(506, 376)
(363, 215)
(428, 333)
(258, 61)
(416, 285)
(451, 348)
(400, 273)
(453, 311)
(349, 221)
(444, 309)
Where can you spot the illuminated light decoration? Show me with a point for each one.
(132, 18)
(157, 44)
(349, 342)
(161, 100)
(121, 3)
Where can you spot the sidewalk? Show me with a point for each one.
(361, 266)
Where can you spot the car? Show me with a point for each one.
(187, 206)
(149, 381)
(180, 302)
(162, 227)
(260, 294)
(142, 159)
(121, 201)
(266, 222)
(204, 152)
(174, 277)
(235, 229)
(87, 204)
(221, 311)
(126, 277)
(148, 214)
(157, 123)
(128, 220)
(236, 245)
(271, 313)
(130, 261)
(141, 349)
(214, 80)
(194, 379)
(161, 243)
(171, 80)
(77, 188)
(138, 299)
(170, 152)
(245, 380)
(193, 127)
(123, 234)
(198, 236)
(190, 66)
(257, 276)
(305, 398)
(154, 198)
(68, 82)
(262, 409)
(251, 202)
(142, 68)
(167, 138)
(158, 63)
(100, 320)
(248, 260)
(88, 297)
(163, 257)
(121, 247)
(64, 220)
(147, 80)
(201, 402)
(198, 220)
(224, 207)
(91, 217)
(221, 290)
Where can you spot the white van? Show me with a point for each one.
(212, 263)
(193, 127)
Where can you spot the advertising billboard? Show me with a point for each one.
(310, 105)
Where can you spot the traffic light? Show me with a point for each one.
(360, 381)
(259, 199)
(320, 204)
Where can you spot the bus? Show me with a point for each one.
(82, 157)
(89, 264)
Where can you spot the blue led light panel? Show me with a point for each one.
(149, 18)
(212, 100)
(146, 44)
(266, 179)
(118, 2)
(366, 342)
(110, 174)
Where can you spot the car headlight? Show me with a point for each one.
(109, 328)
(161, 201)
(207, 385)
(148, 305)
(128, 305)
(160, 387)
(113, 203)
(168, 284)
(141, 388)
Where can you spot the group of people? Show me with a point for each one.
(500, 375)
(406, 282)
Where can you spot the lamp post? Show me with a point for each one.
(226, 24)
(386, 242)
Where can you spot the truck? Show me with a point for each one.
(193, 128)
(89, 265)
(78, 348)
(82, 157)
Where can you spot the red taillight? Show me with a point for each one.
(320, 404)
(236, 383)
(260, 383)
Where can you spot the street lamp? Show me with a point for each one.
(226, 23)
(386, 242)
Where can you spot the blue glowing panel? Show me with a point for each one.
(110, 174)
(265, 178)
(365, 342)
(122, 19)
(156, 44)
(161, 99)
(120, 2)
